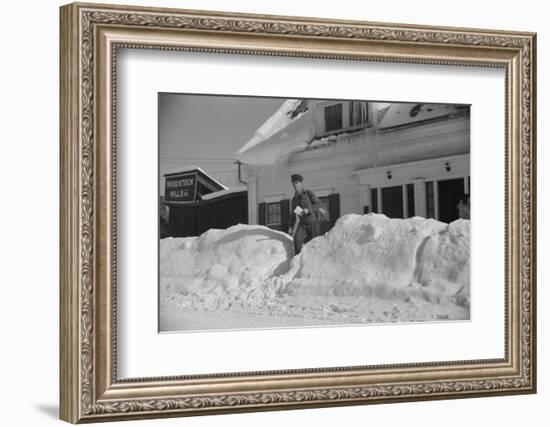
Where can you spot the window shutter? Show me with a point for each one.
(261, 214)
(374, 200)
(285, 214)
(334, 207)
(333, 117)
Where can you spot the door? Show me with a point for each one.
(449, 192)
(392, 201)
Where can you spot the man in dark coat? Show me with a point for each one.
(304, 207)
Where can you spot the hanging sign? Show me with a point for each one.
(180, 188)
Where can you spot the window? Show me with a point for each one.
(410, 200)
(331, 206)
(326, 206)
(358, 113)
(430, 200)
(333, 117)
(274, 215)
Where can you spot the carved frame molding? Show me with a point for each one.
(90, 36)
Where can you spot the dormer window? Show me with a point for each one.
(333, 117)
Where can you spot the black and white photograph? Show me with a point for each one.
(281, 212)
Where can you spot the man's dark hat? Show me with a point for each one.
(296, 177)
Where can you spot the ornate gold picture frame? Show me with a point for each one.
(91, 34)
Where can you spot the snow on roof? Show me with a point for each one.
(193, 168)
(183, 169)
(399, 114)
(292, 129)
(287, 131)
(221, 193)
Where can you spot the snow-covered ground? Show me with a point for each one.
(366, 269)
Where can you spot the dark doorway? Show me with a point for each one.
(392, 201)
(450, 191)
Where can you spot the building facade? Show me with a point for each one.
(399, 159)
(197, 202)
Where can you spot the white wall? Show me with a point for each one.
(334, 166)
(29, 218)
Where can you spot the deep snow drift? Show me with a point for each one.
(366, 269)
(224, 267)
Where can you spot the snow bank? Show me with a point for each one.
(373, 255)
(362, 255)
(222, 267)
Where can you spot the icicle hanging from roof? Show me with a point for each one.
(290, 129)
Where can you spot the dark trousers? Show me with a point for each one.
(304, 233)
